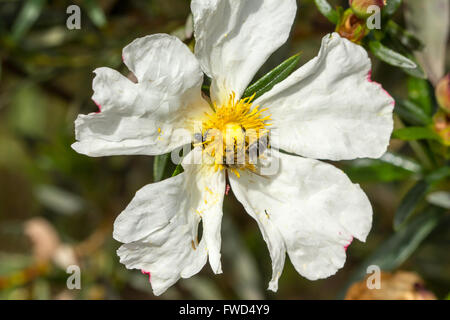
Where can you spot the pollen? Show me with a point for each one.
(233, 133)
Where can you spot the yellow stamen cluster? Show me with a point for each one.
(229, 133)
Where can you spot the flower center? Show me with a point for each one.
(235, 134)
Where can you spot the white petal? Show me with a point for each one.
(163, 60)
(309, 208)
(234, 38)
(105, 134)
(329, 108)
(153, 116)
(159, 227)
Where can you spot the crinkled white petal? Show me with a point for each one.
(155, 115)
(234, 38)
(159, 228)
(308, 208)
(329, 108)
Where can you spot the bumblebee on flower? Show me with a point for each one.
(327, 109)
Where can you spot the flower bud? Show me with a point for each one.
(351, 27)
(441, 125)
(360, 7)
(443, 93)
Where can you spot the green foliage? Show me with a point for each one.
(328, 11)
(391, 7)
(390, 56)
(273, 77)
(95, 12)
(417, 193)
(178, 170)
(159, 166)
(27, 17)
(414, 133)
(403, 36)
(391, 167)
(419, 92)
(411, 112)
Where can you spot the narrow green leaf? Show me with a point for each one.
(390, 167)
(59, 200)
(28, 15)
(438, 175)
(328, 11)
(408, 204)
(414, 133)
(95, 12)
(399, 247)
(275, 76)
(406, 38)
(159, 166)
(416, 194)
(395, 44)
(439, 198)
(411, 113)
(178, 170)
(390, 56)
(402, 162)
(375, 170)
(391, 7)
(420, 92)
(418, 71)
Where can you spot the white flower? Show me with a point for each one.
(327, 109)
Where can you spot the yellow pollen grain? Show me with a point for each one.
(237, 122)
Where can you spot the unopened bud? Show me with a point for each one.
(351, 27)
(361, 7)
(441, 125)
(443, 93)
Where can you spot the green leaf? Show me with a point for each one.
(438, 175)
(399, 247)
(159, 166)
(419, 91)
(375, 170)
(390, 167)
(408, 204)
(28, 109)
(59, 200)
(178, 170)
(390, 56)
(95, 12)
(439, 198)
(391, 7)
(416, 194)
(28, 15)
(406, 38)
(328, 11)
(402, 162)
(411, 112)
(414, 133)
(275, 76)
(395, 44)
(416, 72)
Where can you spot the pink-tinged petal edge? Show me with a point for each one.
(148, 273)
(369, 78)
(98, 106)
(347, 245)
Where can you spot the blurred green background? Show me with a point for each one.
(57, 207)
